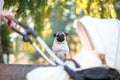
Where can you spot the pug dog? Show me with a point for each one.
(60, 46)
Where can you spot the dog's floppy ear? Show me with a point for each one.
(66, 33)
(54, 34)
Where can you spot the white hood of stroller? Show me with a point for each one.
(105, 36)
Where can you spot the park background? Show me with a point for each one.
(47, 17)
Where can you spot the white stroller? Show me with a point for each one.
(90, 38)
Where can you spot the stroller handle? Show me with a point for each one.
(38, 38)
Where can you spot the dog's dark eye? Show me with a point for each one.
(54, 34)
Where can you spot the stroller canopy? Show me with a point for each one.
(104, 36)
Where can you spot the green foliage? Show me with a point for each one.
(29, 8)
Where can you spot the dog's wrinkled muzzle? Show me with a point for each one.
(60, 38)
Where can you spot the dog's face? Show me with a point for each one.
(60, 36)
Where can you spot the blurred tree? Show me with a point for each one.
(97, 8)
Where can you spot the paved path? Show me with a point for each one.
(15, 71)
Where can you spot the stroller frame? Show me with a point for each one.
(73, 74)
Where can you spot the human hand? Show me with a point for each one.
(7, 18)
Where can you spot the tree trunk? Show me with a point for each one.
(1, 54)
(1, 58)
